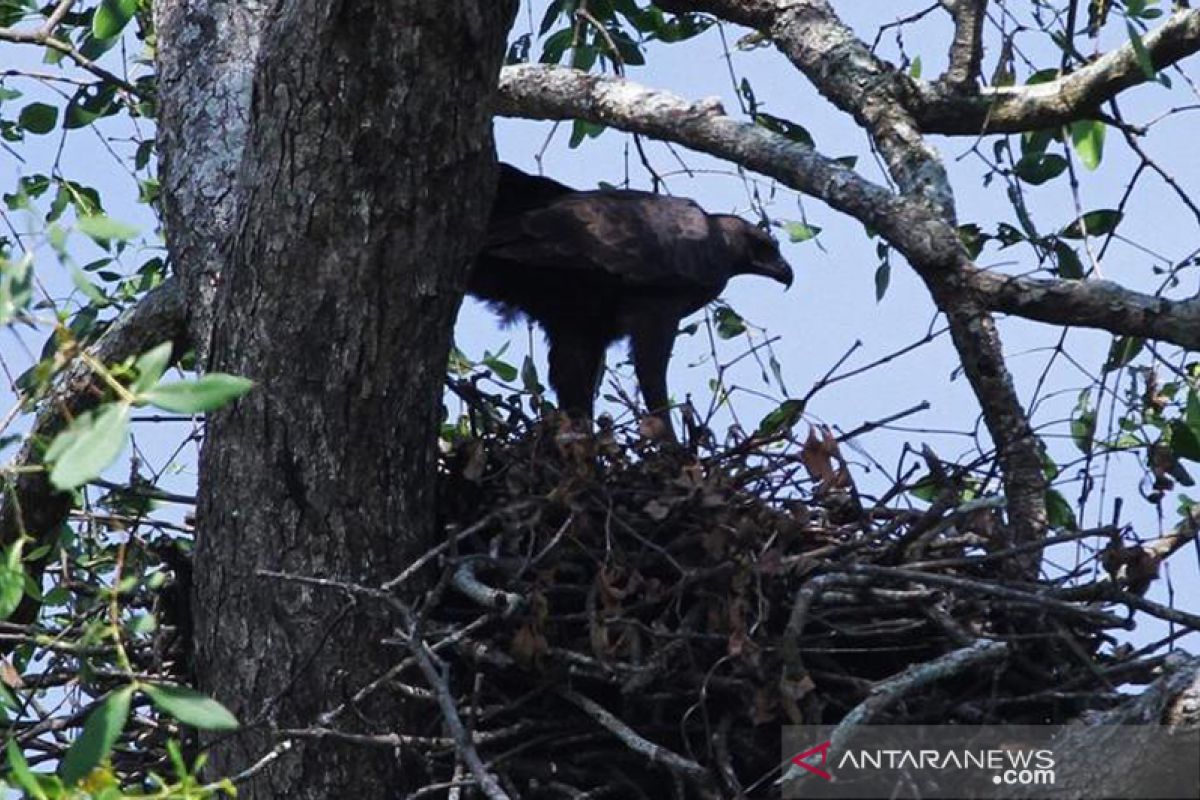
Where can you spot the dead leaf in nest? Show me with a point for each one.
(657, 510)
(598, 637)
(737, 643)
(476, 461)
(654, 429)
(716, 542)
(527, 646)
(630, 644)
(771, 562)
(1131, 566)
(823, 460)
(614, 585)
(575, 441)
(691, 477)
(797, 688)
(765, 707)
(10, 676)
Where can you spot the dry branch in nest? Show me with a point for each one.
(617, 617)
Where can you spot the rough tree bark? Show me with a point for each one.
(365, 182)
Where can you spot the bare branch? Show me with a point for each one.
(44, 36)
(558, 93)
(943, 107)
(1091, 304)
(1079, 95)
(966, 51)
(653, 752)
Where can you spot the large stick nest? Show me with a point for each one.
(634, 619)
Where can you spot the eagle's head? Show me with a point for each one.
(755, 251)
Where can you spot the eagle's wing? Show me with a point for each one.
(641, 238)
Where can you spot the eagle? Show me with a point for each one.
(593, 267)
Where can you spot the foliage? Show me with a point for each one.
(101, 659)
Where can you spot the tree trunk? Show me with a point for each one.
(366, 184)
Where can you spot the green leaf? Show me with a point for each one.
(12, 580)
(1069, 265)
(90, 290)
(93, 442)
(100, 733)
(1124, 349)
(1096, 223)
(193, 397)
(19, 769)
(883, 277)
(90, 104)
(783, 127)
(190, 707)
(38, 118)
(1087, 136)
(729, 322)
(105, 229)
(800, 231)
(111, 17)
(782, 418)
(972, 238)
(1038, 168)
(1083, 423)
(1184, 441)
(582, 129)
(914, 69)
(16, 286)
(1191, 414)
(529, 376)
(505, 371)
(150, 367)
(557, 44)
(1140, 52)
(459, 364)
(1058, 511)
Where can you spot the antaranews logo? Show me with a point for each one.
(801, 759)
(948, 761)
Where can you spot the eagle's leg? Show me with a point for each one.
(576, 362)
(651, 339)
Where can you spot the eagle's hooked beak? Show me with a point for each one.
(777, 269)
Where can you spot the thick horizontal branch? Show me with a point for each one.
(958, 109)
(1091, 304)
(1011, 109)
(559, 93)
(541, 92)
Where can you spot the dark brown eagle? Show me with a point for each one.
(594, 267)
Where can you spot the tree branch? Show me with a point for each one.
(944, 107)
(966, 51)
(1079, 95)
(844, 70)
(1091, 304)
(849, 75)
(44, 35)
(30, 505)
